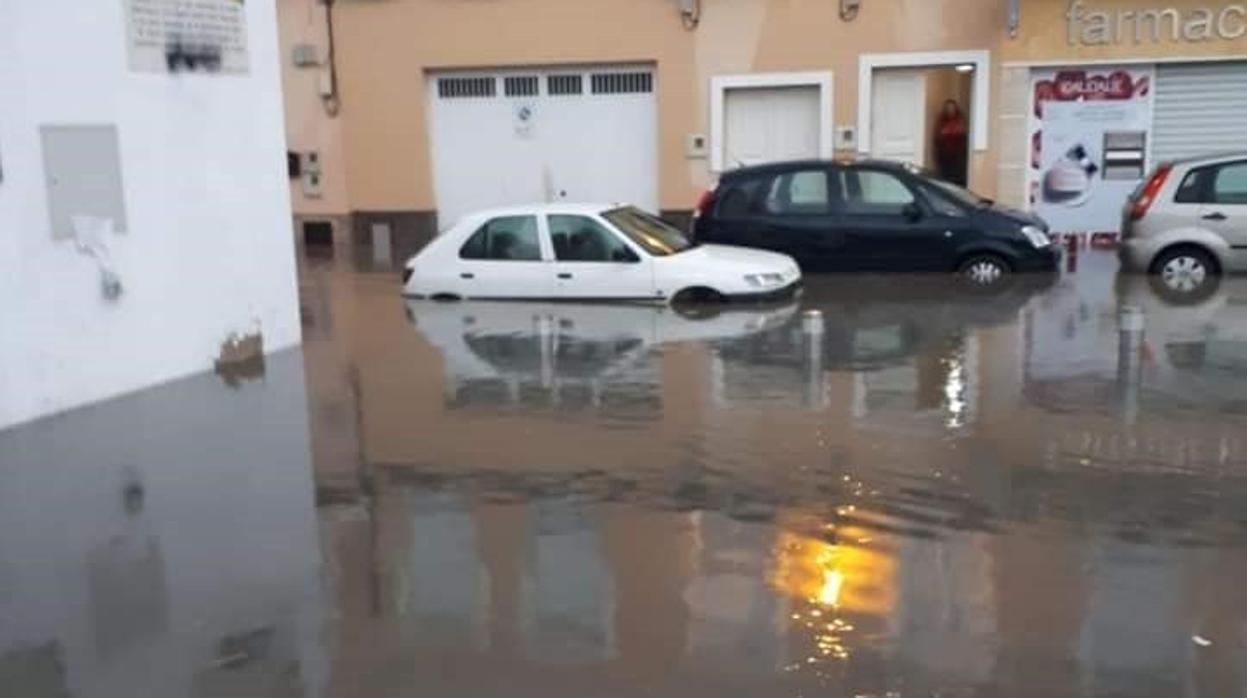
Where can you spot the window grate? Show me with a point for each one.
(565, 85)
(622, 83)
(450, 88)
(520, 86)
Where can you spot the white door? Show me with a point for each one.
(898, 116)
(594, 261)
(514, 137)
(504, 258)
(768, 124)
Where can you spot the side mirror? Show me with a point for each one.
(623, 254)
(912, 212)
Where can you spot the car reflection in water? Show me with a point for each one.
(570, 356)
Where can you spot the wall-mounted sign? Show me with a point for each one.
(524, 114)
(1088, 26)
(203, 36)
(1089, 133)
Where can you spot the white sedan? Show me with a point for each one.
(589, 252)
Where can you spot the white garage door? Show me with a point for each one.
(1201, 108)
(523, 136)
(766, 124)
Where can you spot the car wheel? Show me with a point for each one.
(984, 270)
(1185, 274)
(698, 296)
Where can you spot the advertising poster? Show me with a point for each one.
(1089, 142)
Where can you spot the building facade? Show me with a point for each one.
(1094, 93)
(648, 101)
(144, 219)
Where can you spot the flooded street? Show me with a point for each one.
(891, 487)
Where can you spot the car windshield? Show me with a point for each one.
(657, 237)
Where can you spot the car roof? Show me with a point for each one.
(784, 165)
(1210, 158)
(544, 208)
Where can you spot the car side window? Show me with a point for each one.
(583, 239)
(799, 193)
(872, 192)
(1230, 185)
(506, 238)
(737, 197)
(941, 205)
(1191, 190)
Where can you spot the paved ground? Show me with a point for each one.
(890, 488)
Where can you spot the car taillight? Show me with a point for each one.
(1147, 196)
(704, 204)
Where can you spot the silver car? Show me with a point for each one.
(1187, 222)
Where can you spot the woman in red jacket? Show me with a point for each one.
(952, 143)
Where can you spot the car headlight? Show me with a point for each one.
(762, 280)
(1036, 236)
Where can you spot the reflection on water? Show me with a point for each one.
(888, 487)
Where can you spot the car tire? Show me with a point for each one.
(698, 295)
(984, 270)
(1184, 274)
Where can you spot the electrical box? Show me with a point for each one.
(311, 162)
(311, 174)
(83, 169)
(846, 138)
(312, 185)
(306, 55)
(695, 146)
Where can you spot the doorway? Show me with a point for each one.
(922, 116)
(970, 73)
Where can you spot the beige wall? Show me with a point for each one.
(308, 126)
(386, 47)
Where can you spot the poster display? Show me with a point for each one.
(1089, 133)
(202, 36)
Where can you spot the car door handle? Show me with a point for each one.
(1214, 216)
(467, 275)
(565, 275)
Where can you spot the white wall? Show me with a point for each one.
(209, 248)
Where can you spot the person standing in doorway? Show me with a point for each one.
(952, 143)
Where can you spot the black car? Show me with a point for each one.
(872, 216)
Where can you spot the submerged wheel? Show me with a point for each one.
(1185, 273)
(984, 270)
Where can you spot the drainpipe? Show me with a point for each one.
(1014, 15)
(332, 102)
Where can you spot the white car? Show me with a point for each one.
(589, 252)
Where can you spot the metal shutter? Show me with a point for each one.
(1201, 108)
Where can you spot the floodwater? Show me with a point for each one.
(891, 487)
